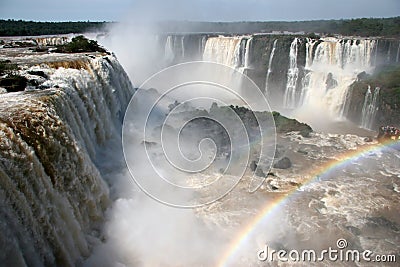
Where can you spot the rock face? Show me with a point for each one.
(388, 105)
(285, 125)
(54, 197)
(294, 71)
(283, 163)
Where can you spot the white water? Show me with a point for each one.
(169, 49)
(271, 57)
(289, 99)
(247, 53)
(174, 49)
(51, 41)
(223, 50)
(53, 197)
(309, 51)
(370, 108)
(342, 61)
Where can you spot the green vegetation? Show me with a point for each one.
(10, 80)
(80, 44)
(248, 117)
(388, 79)
(13, 83)
(27, 28)
(284, 125)
(359, 27)
(6, 67)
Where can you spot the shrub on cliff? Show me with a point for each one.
(7, 67)
(285, 125)
(80, 44)
(13, 83)
(10, 79)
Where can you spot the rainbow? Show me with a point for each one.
(326, 168)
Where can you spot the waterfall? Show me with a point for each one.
(169, 54)
(269, 71)
(183, 46)
(376, 53)
(388, 53)
(51, 40)
(370, 108)
(244, 60)
(398, 53)
(203, 43)
(333, 69)
(247, 53)
(174, 49)
(224, 50)
(289, 100)
(53, 197)
(309, 51)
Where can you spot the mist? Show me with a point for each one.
(165, 213)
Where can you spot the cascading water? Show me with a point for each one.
(309, 51)
(231, 51)
(271, 57)
(247, 53)
(169, 49)
(203, 42)
(370, 108)
(289, 99)
(174, 49)
(389, 53)
(224, 50)
(333, 69)
(53, 196)
(51, 41)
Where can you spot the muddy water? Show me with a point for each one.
(339, 187)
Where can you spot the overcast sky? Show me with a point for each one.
(205, 10)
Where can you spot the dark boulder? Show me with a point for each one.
(14, 83)
(283, 163)
(253, 166)
(330, 82)
(260, 173)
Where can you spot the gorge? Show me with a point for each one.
(290, 69)
(68, 198)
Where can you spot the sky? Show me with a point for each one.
(197, 10)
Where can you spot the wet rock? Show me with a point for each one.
(301, 151)
(362, 76)
(285, 125)
(333, 192)
(38, 73)
(279, 151)
(354, 230)
(383, 222)
(368, 139)
(253, 166)
(283, 163)
(14, 83)
(273, 187)
(259, 172)
(330, 82)
(148, 143)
